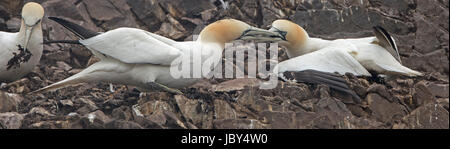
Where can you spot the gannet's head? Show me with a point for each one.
(292, 33)
(228, 30)
(32, 14)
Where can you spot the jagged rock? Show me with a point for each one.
(121, 124)
(11, 120)
(223, 110)
(87, 106)
(235, 85)
(429, 116)
(9, 102)
(66, 103)
(239, 124)
(13, 24)
(380, 90)
(419, 27)
(332, 113)
(40, 111)
(439, 90)
(443, 102)
(383, 110)
(195, 111)
(58, 56)
(122, 113)
(10, 8)
(51, 125)
(149, 13)
(178, 8)
(63, 65)
(95, 120)
(423, 94)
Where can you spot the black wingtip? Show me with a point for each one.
(335, 82)
(63, 41)
(390, 39)
(78, 30)
(382, 30)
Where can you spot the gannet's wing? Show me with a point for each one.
(8, 42)
(128, 45)
(334, 81)
(330, 59)
(8, 47)
(81, 32)
(387, 41)
(132, 45)
(319, 67)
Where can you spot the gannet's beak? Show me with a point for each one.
(261, 35)
(28, 31)
(279, 32)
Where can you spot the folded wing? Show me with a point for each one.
(134, 46)
(329, 59)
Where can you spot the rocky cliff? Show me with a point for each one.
(420, 27)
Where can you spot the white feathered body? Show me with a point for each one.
(9, 45)
(357, 56)
(136, 57)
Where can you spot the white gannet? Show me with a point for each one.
(315, 60)
(358, 56)
(20, 52)
(136, 57)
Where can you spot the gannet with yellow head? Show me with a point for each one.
(358, 56)
(136, 57)
(20, 52)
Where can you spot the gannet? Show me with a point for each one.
(317, 60)
(358, 56)
(20, 52)
(136, 57)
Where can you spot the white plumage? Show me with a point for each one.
(136, 57)
(131, 45)
(20, 52)
(357, 56)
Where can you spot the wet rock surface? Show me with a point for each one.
(420, 27)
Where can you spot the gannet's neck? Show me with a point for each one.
(213, 37)
(220, 44)
(36, 35)
(307, 46)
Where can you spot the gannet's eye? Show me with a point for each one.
(282, 33)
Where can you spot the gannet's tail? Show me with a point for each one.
(387, 41)
(84, 76)
(73, 80)
(399, 70)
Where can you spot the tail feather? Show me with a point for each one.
(387, 41)
(399, 70)
(73, 80)
(78, 30)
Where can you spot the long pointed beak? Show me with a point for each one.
(261, 35)
(28, 30)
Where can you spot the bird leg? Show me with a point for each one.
(160, 87)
